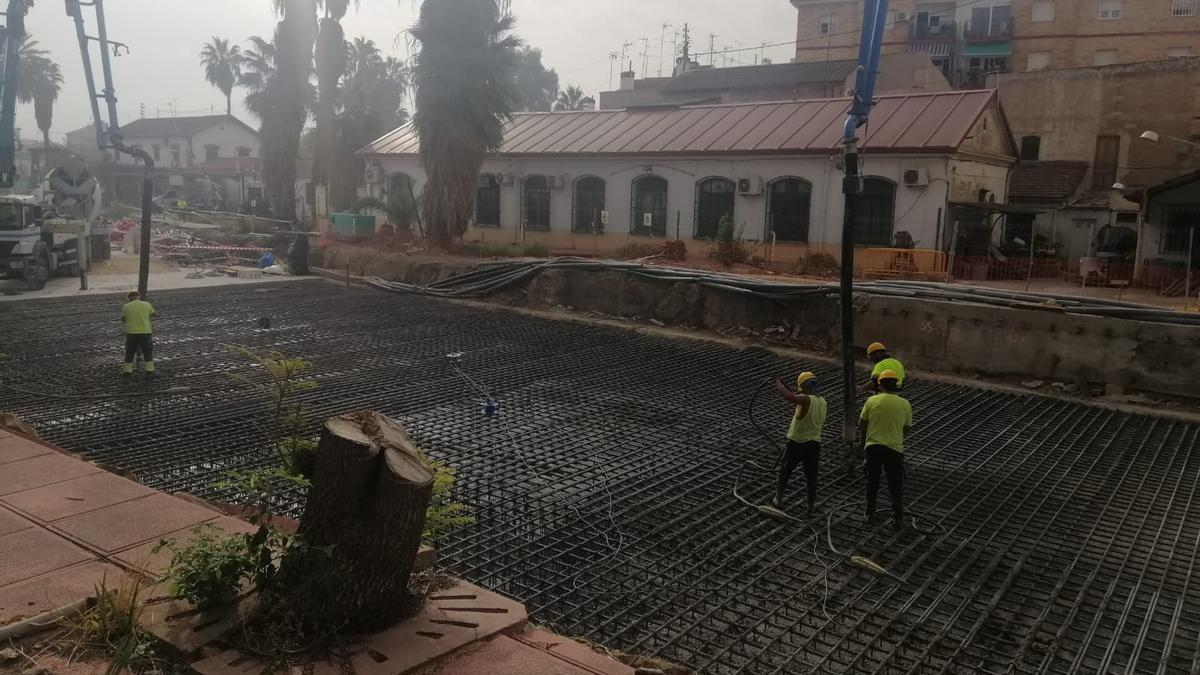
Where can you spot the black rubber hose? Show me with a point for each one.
(753, 420)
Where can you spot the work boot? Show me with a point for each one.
(777, 502)
(897, 522)
(127, 370)
(149, 369)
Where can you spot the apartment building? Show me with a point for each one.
(970, 39)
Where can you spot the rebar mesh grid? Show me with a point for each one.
(603, 488)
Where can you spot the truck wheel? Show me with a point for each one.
(37, 270)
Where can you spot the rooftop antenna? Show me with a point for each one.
(645, 55)
(612, 61)
(625, 47)
(662, 47)
(712, 47)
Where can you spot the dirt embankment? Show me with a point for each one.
(1040, 348)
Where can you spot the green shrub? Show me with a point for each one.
(208, 570)
(729, 248)
(444, 514)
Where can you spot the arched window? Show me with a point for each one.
(535, 203)
(1031, 148)
(487, 202)
(589, 203)
(789, 206)
(649, 206)
(876, 213)
(714, 202)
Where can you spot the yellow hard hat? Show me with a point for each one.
(804, 377)
(888, 375)
(876, 347)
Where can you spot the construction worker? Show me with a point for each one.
(804, 437)
(136, 316)
(883, 424)
(883, 361)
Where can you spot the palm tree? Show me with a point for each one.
(465, 77)
(222, 62)
(33, 66)
(573, 98)
(39, 81)
(294, 38)
(258, 75)
(331, 59)
(45, 95)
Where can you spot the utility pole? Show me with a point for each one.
(686, 53)
(712, 47)
(662, 47)
(870, 44)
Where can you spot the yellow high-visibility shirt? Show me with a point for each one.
(808, 428)
(889, 364)
(886, 416)
(136, 316)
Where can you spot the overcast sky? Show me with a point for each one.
(165, 37)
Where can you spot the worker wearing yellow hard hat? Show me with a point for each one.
(804, 437)
(883, 360)
(885, 420)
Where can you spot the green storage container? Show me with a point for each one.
(352, 224)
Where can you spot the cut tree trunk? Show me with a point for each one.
(367, 507)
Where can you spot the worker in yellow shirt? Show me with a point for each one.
(885, 420)
(883, 361)
(804, 437)
(136, 316)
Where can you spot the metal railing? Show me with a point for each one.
(984, 31)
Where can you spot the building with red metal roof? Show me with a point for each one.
(595, 181)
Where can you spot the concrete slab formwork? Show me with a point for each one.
(1065, 537)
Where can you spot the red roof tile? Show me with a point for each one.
(936, 122)
(1046, 181)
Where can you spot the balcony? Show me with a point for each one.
(987, 31)
(937, 40)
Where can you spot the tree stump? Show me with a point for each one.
(362, 525)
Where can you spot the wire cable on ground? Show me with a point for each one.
(493, 277)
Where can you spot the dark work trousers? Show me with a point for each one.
(881, 458)
(810, 454)
(135, 344)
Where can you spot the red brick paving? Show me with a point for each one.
(66, 526)
(62, 518)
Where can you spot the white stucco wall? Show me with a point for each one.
(228, 136)
(916, 208)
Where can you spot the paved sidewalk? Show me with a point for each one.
(66, 525)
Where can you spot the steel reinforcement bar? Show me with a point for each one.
(1054, 537)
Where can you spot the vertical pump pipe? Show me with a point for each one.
(870, 45)
(13, 34)
(108, 133)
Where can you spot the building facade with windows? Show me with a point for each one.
(191, 155)
(972, 39)
(1086, 124)
(594, 182)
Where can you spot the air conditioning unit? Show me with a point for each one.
(916, 177)
(374, 174)
(750, 186)
(901, 17)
